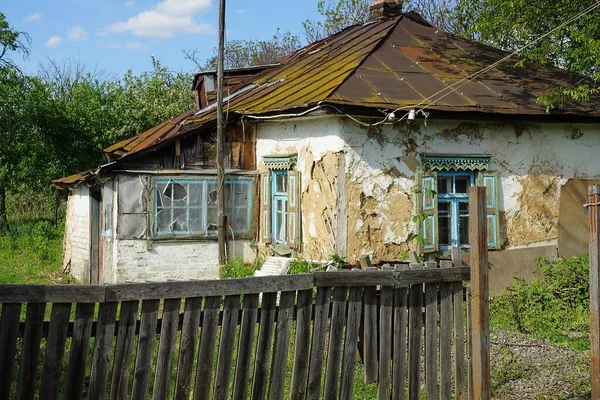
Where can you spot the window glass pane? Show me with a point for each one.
(163, 193)
(463, 223)
(195, 220)
(444, 183)
(163, 220)
(195, 194)
(444, 224)
(461, 184)
(281, 182)
(179, 223)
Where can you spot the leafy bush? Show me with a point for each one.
(237, 268)
(553, 306)
(300, 265)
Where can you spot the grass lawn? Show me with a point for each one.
(31, 253)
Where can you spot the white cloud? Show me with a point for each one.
(34, 17)
(77, 34)
(54, 41)
(241, 11)
(166, 19)
(131, 45)
(130, 3)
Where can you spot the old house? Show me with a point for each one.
(363, 142)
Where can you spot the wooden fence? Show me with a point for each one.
(295, 336)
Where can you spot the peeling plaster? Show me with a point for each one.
(533, 160)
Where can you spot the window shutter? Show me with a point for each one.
(294, 220)
(427, 225)
(491, 181)
(265, 207)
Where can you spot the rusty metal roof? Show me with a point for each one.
(398, 63)
(147, 138)
(403, 62)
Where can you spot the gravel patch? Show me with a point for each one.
(527, 368)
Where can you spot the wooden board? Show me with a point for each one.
(431, 337)
(123, 350)
(245, 346)
(400, 341)
(264, 346)
(206, 352)
(82, 329)
(334, 352)
(55, 350)
(231, 308)
(281, 346)
(166, 349)
(415, 323)
(301, 353)
(9, 325)
(317, 348)
(350, 343)
(187, 347)
(32, 337)
(105, 332)
(145, 349)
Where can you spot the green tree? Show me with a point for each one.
(11, 86)
(245, 53)
(339, 14)
(511, 25)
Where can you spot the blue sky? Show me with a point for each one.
(117, 35)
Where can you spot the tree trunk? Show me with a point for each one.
(56, 207)
(3, 219)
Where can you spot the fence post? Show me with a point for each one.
(594, 218)
(480, 331)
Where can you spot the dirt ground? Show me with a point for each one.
(526, 368)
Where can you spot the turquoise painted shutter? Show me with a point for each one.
(491, 181)
(265, 207)
(427, 223)
(294, 228)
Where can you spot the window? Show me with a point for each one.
(280, 205)
(107, 205)
(188, 207)
(279, 202)
(443, 201)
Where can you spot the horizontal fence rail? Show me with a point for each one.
(291, 336)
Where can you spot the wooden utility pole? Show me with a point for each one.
(594, 215)
(480, 325)
(222, 233)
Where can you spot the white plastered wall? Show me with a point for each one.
(533, 160)
(76, 246)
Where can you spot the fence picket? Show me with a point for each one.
(206, 352)
(105, 332)
(334, 352)
(352, 331)
(32, 337)
(55, 350)
(317, 349)
(9, 326)
(431, 343)
(400, 342)
(187, 346)
(166, 349)
(123, 350)
(445, 337)
(415, 324)
(301, 353)
(82, 329)
(282, 344)
(245, 346)
(231, 307)
(370, 334)
(263, 347)
(145, 350)
(385, 341)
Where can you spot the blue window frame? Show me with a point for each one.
(453, 208)
(279, 206)
(188, 207)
